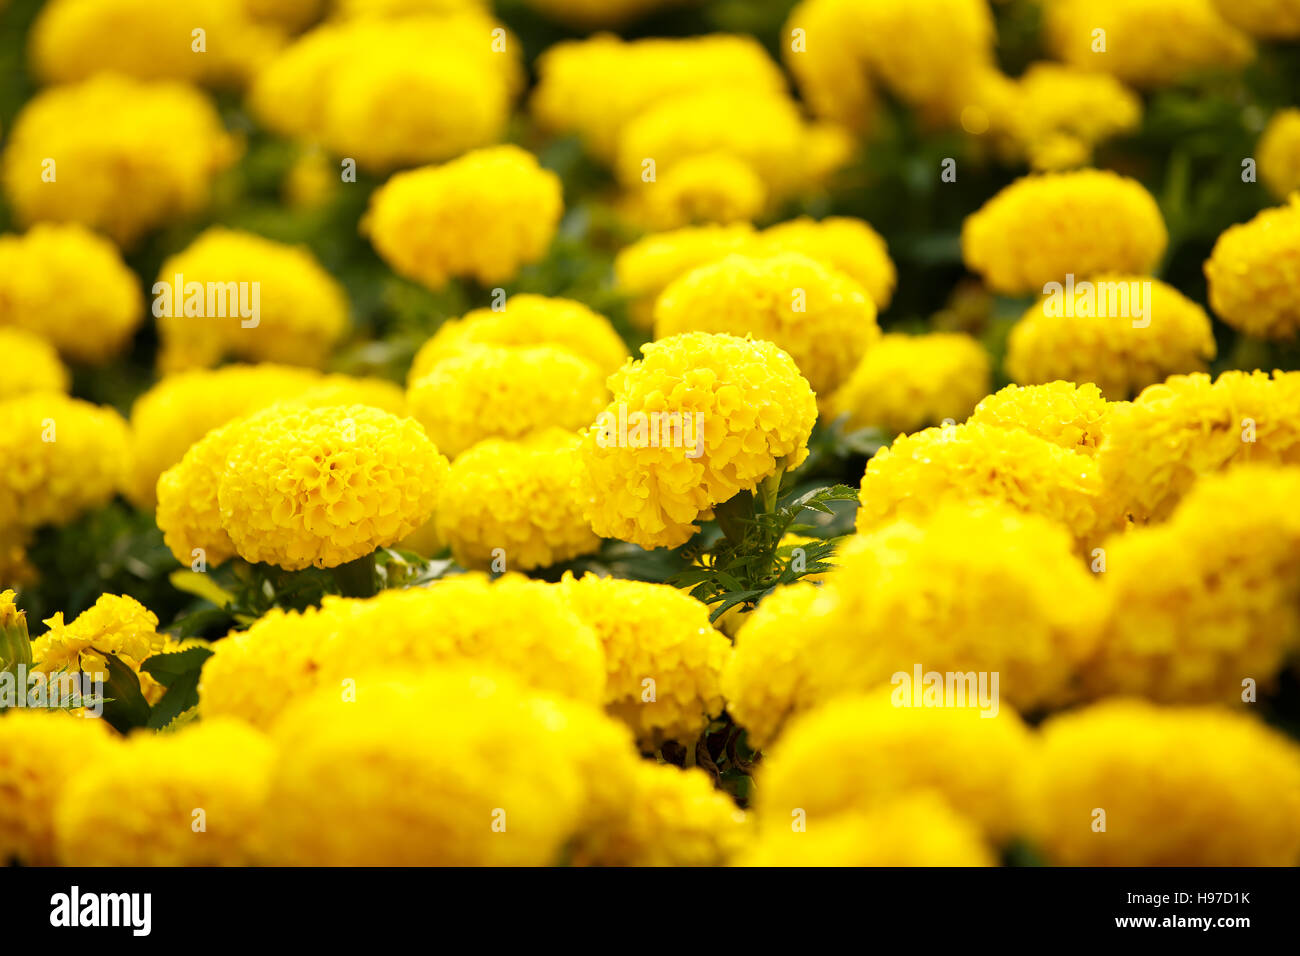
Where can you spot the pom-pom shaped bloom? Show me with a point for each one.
(708, 187)
(1042, 228)
(1069, 415)
(127, 156)
(41, 753)
(977, 462)
(646, 267)
(671, 817)
(1253, 272)
(906, 382)
(137, 805)
(1274, 19)
(515, 500)
(482, 216)
(152, 40)
(654, 632)
(325, 486)
(1181, 786)
(71, 287)
(31, 364)
(117, 625)
(919, 829)
(234, 294)
(1278, 152)
(1148, 43)
(1157, 445)
(527, 320)
(860, 752)
(1136, 332)
(698, 419)
(849, 245)
(490, 391)
(1208, 599)
(818, 315)
(336, 85)
(59, 456)
(522, 627)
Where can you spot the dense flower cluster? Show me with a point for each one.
(1069, 415)
(1252, 274)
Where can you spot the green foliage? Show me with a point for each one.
(179, 672)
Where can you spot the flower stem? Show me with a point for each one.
(358, 578)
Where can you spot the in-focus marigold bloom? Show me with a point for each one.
(860, 752)
(59, 456)
(41, 753)
(976, 462)
(822, 318)
(743, 402)
(31, 364)
(337, 83)
(1113, 348)
(515, 500)
(324, 486)
(1272, 19)
(1188, 426)
(235, 294)
(1181, 786)
(658, 633)
(446, 768)
(71, 287)
(1148, 43)
(646, 267)
(1278, 152)
(137, 805)
(671, 817)
(1254, 273)
(919, 829)
(849, 245)
(1042, 228)
(129, 156)
(1069, 415)
(151, 40)
(1209, 598)
(709, 187)
(593, 87)
(906, 382)
(117, 625)
(482, 216)
(527, 320)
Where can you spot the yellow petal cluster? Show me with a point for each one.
(707, 187)
(32, 364)
(117, 625)
(1254, 273)
(1065, 414)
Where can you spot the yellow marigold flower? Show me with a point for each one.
(1272, 19)
(832, 79)
(647, 266)
(515, 500)
(593, 87)
(527, 320)
(1042, 228)
(234, 294)
(1147, 43)
(918, 829)
(822, 318)
(1157, 445)
(31, 364)
(139, 805)
(906, 382)
(653, 632)
(59, 456)
(483, 216)
(41, 753)
(1180, 786)
(858, 753)
(672, 817)
(112, 172)
(117, 625)
(151, 40)
(1109, 344)
(1069, 415)
(337, 83)
(1210, 598)
(849, 245)
(188, 507)
(976, 462)
(709, 187)
(490, 391)
(325, 486)
(598, 13)
(432, 769)
(1278, 153)
(742, 413)
(71, 287)
(1253, 272)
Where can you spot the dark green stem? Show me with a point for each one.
(358, 579)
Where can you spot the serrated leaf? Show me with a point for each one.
(124, 706)
(167, 668)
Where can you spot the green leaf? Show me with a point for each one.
(179, 672)
(124, 706)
